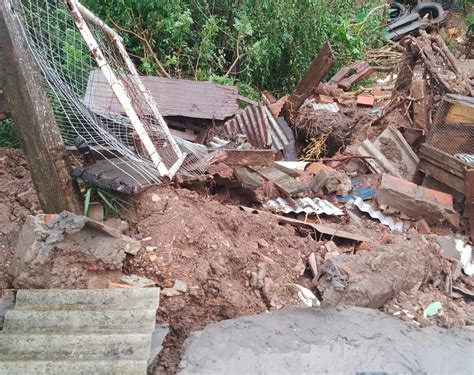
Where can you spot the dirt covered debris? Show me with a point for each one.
(68, 251)
(233, 262)
(18, 199)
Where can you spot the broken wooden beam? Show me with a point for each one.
(248, 179)
(248, 157)
(285, 183)
(34, 119)
(421, 110)
(313, 76)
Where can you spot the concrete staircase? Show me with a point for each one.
(102, 331)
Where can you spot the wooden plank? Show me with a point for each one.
(34, 120)
(441, 175)
(421, 110)
(249, 157)
(429, 152)
(282, 181)
(313, 76)
(346, 83)
(248, 179)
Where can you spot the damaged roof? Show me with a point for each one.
(174, 97)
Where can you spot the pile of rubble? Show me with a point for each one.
(326, 196)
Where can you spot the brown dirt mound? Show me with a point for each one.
(17, 200)
(214, 249)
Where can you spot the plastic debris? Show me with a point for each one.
(466, 257)
(307, 296)
(388, 221)
(432, 309)
(332, 107)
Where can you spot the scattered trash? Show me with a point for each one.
(465, 257)
(432, 309)
(307, 296)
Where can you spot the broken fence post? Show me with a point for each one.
(34, 120)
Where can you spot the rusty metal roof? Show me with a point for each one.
(253, 123)
(174, 97)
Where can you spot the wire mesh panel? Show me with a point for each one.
(453, 128)
(75, 51)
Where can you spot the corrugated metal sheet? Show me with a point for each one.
(279, 137)
(252, 122)
(306, 205)
(174, 97)
(79, 331)
(367, 208)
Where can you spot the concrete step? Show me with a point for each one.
(88, 299)
(70, 321)
(71, 367)
(54, 346)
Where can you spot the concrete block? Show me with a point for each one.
(68, 251)
(415, 201)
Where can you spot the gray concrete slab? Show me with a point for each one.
(341, 340)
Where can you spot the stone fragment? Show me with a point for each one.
(263, 243)
(371, 279)
(68, 251)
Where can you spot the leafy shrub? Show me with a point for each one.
(264, 44)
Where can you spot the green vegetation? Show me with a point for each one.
(265, 44)
(8, 134)
(110, 200)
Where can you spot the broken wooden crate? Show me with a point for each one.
(449, 148)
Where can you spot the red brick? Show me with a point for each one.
(438, 196)
(398, 184)
(366, 101)
(423, 227)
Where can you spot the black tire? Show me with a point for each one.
(434, 10)
(396, 11)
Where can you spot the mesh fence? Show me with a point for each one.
(453, 128)
(81, 96)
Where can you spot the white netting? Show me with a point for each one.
(84, 107)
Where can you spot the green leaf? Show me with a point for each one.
(87, 201)
(106, 201)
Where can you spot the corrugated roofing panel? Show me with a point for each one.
(306, 205)
(252, 122)
(79, 331)
(174, 97)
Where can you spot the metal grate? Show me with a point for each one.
(453, 128)
(74, 49)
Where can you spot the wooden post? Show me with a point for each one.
(320, 66)
(24, 90)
